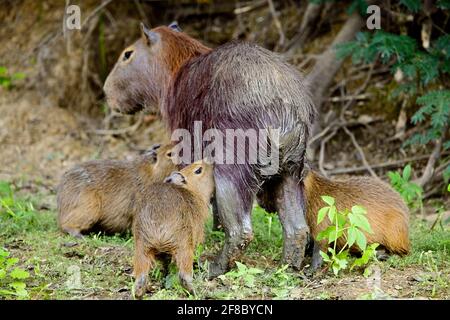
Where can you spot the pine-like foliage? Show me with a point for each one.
(424, 72)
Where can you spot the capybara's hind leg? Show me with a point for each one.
(184, 261)
(79, 220)
(290, 204)
(73, 232)
(316, 260)
(143, 261)
(234, 207)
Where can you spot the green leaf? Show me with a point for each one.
(332, 213)
(324, 234)
(361, 240)
(324, 256)
(321, 214)
(341, 219)
(4, 253)
(351, 236)
(328, 200)
(2, 274)
(5, 189)
(241, 266)
(359, 210)
(333, 235)
(360, 221)
(10, 262)
(18, 76)
(407, 172)
(19, 273)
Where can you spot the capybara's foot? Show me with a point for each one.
(294, 249)
(73, 232)
(382, 255)
(216, 269)
(186, 282)
(140, 286)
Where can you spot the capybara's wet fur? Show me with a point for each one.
(101, 195)
(172, 222)
(386, 212)
(237, 86)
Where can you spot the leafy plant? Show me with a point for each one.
(348, 226)
(15, 214)
(434, 275)
(243, 275)
(7, 80)
(410, 192)
(424, 72)
(11, 277)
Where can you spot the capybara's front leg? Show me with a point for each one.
(290, 203)
(184, 259)
(143, 261)
(234, 207)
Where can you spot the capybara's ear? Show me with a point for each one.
(150, 37)
(174, 26)
(176, 177)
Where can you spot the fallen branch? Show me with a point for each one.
(361, 152)
(322, 152)
(391, 164)
(277, 23)
(429, 169)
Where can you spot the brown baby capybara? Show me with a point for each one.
(172, 222)
(101, 194)
(386, 212)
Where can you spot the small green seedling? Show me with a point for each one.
(349, 226)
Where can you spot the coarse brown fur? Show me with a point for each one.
(237, 86)
(142, 74)
(102, 194)
(172, 222)
(387, 213)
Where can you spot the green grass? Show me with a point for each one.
(105, 262)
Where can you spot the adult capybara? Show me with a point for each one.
(102, 194)
(240, 87)
(172, 222)
(387, 213)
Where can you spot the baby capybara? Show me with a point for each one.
(102, 194)
(386, 212)
(172, 222)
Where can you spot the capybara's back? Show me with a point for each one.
(386, 211)
(101, 194)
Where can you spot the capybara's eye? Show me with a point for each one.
(127, 55)
(169, 154)
(198, 171)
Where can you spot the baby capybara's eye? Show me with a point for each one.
(127, 55)
(198, 171)
(169, 154)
